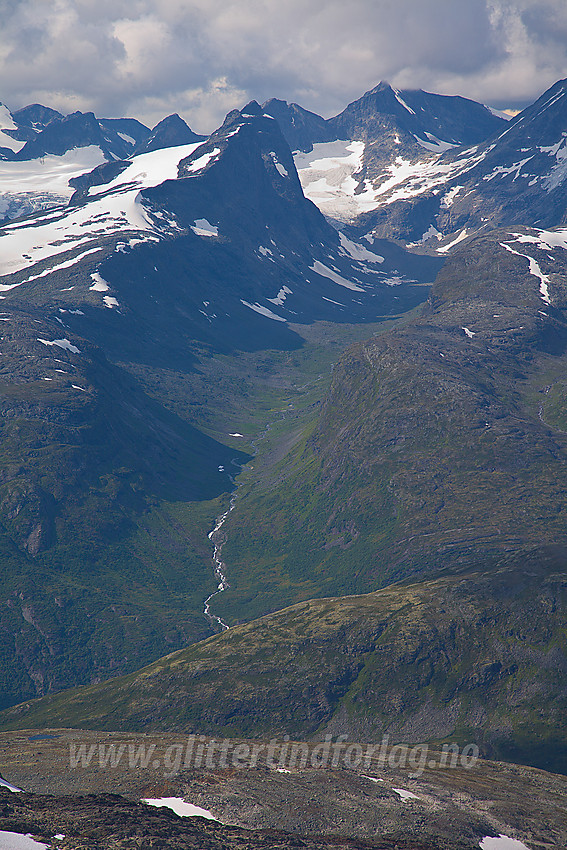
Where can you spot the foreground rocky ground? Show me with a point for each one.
(98, 806)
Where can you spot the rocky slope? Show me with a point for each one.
(91, 535)
(440, 443)
(110, 822)
(385, 146)
(451, 806)
(514, 177)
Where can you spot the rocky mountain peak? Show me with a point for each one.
(168, 133)
(36, 116)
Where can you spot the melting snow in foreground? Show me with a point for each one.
(180, 807)
(4, 784)
(405, 795)
(502, 843)
(15, 841)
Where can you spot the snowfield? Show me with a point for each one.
(112, 208)
(35, 184)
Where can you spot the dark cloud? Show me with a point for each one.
(202, 57)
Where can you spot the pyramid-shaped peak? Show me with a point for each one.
(173, 120)
(252, 108)
(168, 133)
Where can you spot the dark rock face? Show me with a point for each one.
(300, 127)
(455, 120)
(171, 131)
(134, 130)
(76, 130)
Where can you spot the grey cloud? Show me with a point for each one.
(202, 57)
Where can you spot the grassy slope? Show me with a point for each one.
(432, 449)
(454, 657)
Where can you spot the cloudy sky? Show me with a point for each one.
(148, 58)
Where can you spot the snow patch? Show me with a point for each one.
(15, 841)
(358, 252)
(401, 101)
(430, 233)
(499, 113)
(9, 786)
(281, 296)
(503, 171)
(462, 235)
(469, 333)
(203, 227)
(395, 280)
(501, 843)
(536, 271)
(99, 285)
(61, 343)
(125, 137)
(263, 311)
(405, 795)
(180, 807)
(324, 271)
(65, 265)
(559, 170)
(434, 144)
(204, 160)
(12, 144)
(281, 170)
(449, 197)
(547, 239)
(6, 120)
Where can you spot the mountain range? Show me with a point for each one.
(173, 436)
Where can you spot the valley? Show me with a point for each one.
(282, 454)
